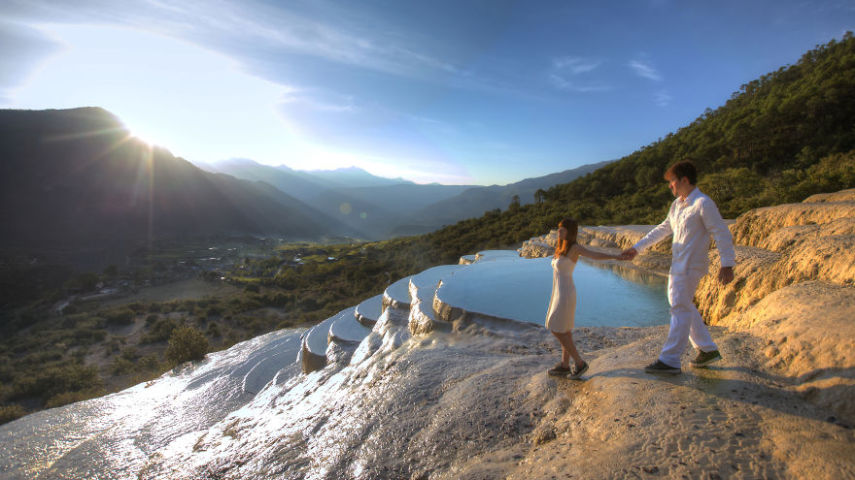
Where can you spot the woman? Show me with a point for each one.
(562, 305)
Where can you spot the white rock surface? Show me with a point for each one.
(398, 293)
(368, 311)
(346, 329)
(315, 340)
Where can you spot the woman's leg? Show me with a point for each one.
(568, 349)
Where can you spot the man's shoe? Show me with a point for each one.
(577, 371)
(705, 358)
(558, 370)
(659, 367)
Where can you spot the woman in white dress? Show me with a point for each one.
(562, 305)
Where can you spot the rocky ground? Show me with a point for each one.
(781, 404)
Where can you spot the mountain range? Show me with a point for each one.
(76, 179)
(381, 207)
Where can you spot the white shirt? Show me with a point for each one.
(692, 221)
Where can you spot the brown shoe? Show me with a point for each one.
(577, 371)
(705, 358)
(558, 370)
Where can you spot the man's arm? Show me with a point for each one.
(659, 233)
(723, 239)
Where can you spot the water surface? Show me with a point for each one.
(519, 289)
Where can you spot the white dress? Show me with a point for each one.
(562, 305)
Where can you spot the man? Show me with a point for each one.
(692, 218)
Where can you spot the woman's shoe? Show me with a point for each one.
(577, 371)
(558, 370)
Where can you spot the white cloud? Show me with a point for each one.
(646, 70)
(565, 70)
(575, 65)
(320, 101)
(334, 32)
(564, 84)
(662, 98)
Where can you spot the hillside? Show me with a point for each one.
(473, 202)
(74, 178)
(778, 139)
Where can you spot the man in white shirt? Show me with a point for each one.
(693, 217)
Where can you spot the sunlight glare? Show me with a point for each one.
(197, 103)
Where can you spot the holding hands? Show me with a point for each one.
(725, 274)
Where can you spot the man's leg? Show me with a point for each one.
(699, 334)
(684, 316)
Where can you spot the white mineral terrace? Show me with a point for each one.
(345, 327)
(253, 399)
(398, 293)
(368, 311)
(315, 339)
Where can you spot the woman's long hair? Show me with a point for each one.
(563, 246)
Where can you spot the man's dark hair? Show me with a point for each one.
(683, 168)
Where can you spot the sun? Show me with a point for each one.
(142, 136)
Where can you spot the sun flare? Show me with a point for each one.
(141, 137)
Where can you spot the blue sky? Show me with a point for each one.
(464, 92)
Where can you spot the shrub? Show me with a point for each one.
(11, 412)
(130, 353)
(65, 398)
(279, 300)
(149, 362)
(51, 381)
(187, 305)
(137, 307)
(186, 344)
(88, 336)
(71, 321)
(214, 330)
(124, 316)
(121, 366)
(160, 331)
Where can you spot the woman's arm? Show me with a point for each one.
(582, 251)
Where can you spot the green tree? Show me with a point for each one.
(186, 344)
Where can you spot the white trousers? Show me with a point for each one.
(686, 321)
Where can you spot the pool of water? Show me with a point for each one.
(607, 294)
